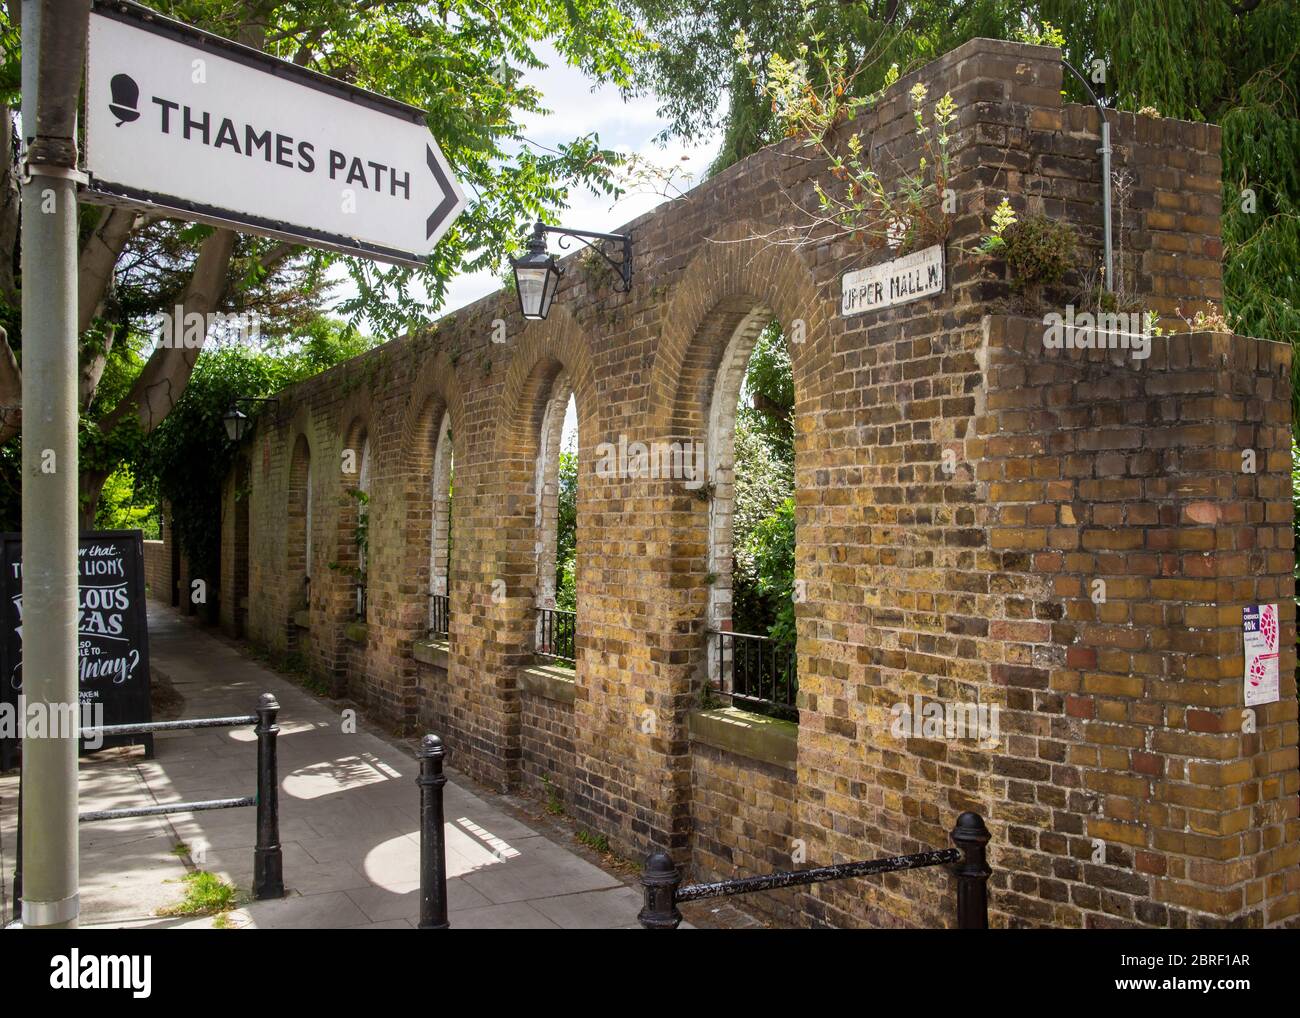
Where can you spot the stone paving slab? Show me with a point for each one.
(349, 808)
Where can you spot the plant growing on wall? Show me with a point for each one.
(1038, 250)
(862, 207)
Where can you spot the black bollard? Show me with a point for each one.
(268, 858)
(970, 835)
(660, 880)
(433, 843)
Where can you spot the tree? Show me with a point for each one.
(188, 456)
(458, 59)
(566, 531)
(702, 88)
(1235, 63)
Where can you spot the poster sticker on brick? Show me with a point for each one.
(1261, 632)
(909, 278)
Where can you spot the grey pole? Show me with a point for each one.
(54, 40)
(1108, 284)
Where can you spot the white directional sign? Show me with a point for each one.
(220, 133)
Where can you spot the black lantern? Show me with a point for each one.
(236, 421)
(537, 277)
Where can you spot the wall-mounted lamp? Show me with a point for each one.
(537, 276)
(236, 421)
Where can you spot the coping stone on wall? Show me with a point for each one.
(550, 681)
(770, 740)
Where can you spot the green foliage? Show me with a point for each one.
(596, 842)
(994, 242)
(554, 803)
(771, 546)
(566, 531)
(811, 94)
(125, 506)
(1238, 66)
(189, 453)
(1220, 61)
(10, 51)
(764, 478)
(692, 62)
(1041, 35)
(205, 893)
(767, 396)
(1039, 252)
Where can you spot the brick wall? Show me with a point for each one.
(743, 816)
(955, 577)
(546, 743)
(158, 570)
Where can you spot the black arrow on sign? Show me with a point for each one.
(448, 195)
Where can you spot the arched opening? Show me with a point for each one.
(354, 522)
(440, 495)
(240, 576)
(298, 521)
(753, 590)
(555, 583)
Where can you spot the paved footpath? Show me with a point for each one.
(349, 811)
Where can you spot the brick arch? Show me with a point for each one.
(434, 394)
(731, 278)
(728, 294)
(554, 345)
(550, 361)
(298, 537)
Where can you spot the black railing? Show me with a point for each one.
(556, 632)
(661, 880)
(438, 616)
(758, 673)
(268, 857)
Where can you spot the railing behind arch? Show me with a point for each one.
(757, 672)
(556, 635)
(439, 616)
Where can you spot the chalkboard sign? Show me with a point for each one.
(112, 631)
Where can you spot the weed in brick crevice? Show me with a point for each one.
(554, 804)
(205, 893)
(596, 842)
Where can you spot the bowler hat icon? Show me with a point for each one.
(126, 96)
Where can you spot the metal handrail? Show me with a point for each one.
(268, 856)
(661, 881)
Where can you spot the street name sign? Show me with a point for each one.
(217, 132)
(909, 278)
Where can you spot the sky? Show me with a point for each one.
(628, 127)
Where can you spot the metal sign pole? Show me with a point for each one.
(53, 49)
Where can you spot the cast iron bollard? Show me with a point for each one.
(268, 858)
(660, 880)
(433, 847)
(971, 836)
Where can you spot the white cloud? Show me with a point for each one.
(625, 125)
